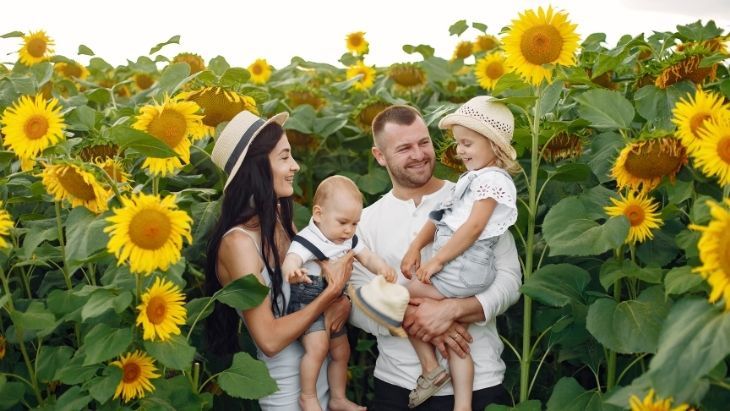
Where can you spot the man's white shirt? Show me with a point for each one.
(387, 227)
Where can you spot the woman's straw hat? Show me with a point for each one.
(232, 145)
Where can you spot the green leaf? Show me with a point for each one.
(196, 306)
(247, 378)
(235, 76)
(458, 28)
(159, 46)
(83, 50)
(174, 353)
(374, 182)
(604, 148)
(36, 317)
(243, 293)
(175, 394)
(218, 65)
(631, 326)
(438, 69)
(13, 34)
(655, 105)
(40, 231)
(613, 270)
(102, 388)
(572, 173)
(82, 118)
(172, 78)
(605, 109)
(50, 359)
(85, 231)
(326, 126)
(73, 399)
(42, 72)
(529, 405)
(10, 393)
(102, 300)
(74, 372)
(479, 26)
(680, 280)
(424, 49)
(141, 142)
(550, 97)
(104, 342)
(302, 119)
(557, 285)
(697, 32)
(568, 395)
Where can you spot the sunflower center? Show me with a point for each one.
(37, 47)
(257, 69)
(72, 70)
(150, 229)
(495, 70)
(170, 126)
(541, 44)
(655, 159)
(696, 122)
(36, 127)
(635, 214)
(156, 310)
(723, 149)
(355, 41)
(74, 183)
(132, 372)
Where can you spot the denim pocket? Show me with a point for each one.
(478, 270)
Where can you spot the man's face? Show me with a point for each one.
(407, 152)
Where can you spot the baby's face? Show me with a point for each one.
(337, 217)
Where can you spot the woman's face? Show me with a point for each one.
(283, 168)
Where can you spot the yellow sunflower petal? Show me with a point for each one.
(219, 105)
(6, 224)
(712, 153)
(691, 114)
(31, 125)
(162, 311)
(360, 69)
(37, 47)
(642, 165)
(260, 71)
(356, 43)
(137, 370)
(489, 70)
(76, 185)
(641, 212)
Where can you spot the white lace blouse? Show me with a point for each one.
(489, 183)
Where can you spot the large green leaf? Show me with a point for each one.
(172, 78)
(568, 395)
(74, 372)
(550, 97)
(11, 392)
(174, 353)
(604, 149)
(247, 378)
(557, 285)
(243, 293)
(374, 182)
(50, 359)
(613, 270)
(141, 142)
(458, 28)
(74, 399)
(36, 317)
(102, 300)
(679, 280)
(201, 307)
(172, 40)
(104, 342)
(85, 236)
(605, 109)
(631, 326)
(102, 388)
(655, 106)
(176, 394)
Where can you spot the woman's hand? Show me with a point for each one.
(336, 315)
(411, 262)
(337, 273)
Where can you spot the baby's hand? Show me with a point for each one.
(410, 262)
(389, 274)
(426, 271)
(298, 276)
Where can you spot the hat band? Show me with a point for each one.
(384, 317)
(242, 143)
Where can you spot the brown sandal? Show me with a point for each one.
(427, 385)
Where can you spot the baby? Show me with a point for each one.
(329, 235)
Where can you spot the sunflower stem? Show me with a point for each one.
(611, 362)
(197, 318)
(155, 185)
(59, 224)
(196, 377)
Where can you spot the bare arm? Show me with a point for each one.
(412, 259)
(375, 264)
(292, 269)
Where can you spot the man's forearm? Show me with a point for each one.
(466, 310)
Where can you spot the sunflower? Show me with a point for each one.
(194, 61)
(407, 76)
(714, 247)
(143, 81)
(219, 105)
(173, 122)
(691, 114)
(367, 76)
(538, 41)
(32, 125)
(148, 232)
(27, 164)
(641, 165)
(356, 43)
(484, 43)
(641, 212)
(712, 155)
(304, 95)
(71, 69)
(686, 69)
(463, 50)
(260, 71)
(66, 181)
(489, 70)
(98, 152)
(137, 370)
(6, 223)
(114, 169)
(37, 47)
(561, 146)
(366, 111)
(446, 152)
(650, 405)
(301, 141)
(162, 311)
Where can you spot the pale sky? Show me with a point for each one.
(242, 31)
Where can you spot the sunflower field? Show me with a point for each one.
(107, 195)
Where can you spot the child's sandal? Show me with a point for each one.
(427, 385)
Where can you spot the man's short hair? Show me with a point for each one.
(398, 114)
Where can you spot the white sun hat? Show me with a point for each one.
(487, 117)
(232, 145)
(384, 302)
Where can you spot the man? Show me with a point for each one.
(403, 146)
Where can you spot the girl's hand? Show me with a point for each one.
(337, 273)
(410, 262)
(427, 270)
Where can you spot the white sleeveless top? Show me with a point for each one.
(284, 366)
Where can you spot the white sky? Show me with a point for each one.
(242, 31)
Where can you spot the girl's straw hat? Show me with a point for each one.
(487, 117)
(384, 302)
(232, 145)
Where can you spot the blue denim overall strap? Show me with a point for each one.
(315, 250)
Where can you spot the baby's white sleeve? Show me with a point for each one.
(301, 251)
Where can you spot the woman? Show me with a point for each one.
(252, 235)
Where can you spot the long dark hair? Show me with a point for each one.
(250, 194)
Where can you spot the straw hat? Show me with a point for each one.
(384, 302)
(487, 117)
(235, 139)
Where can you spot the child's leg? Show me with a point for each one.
(462, 379)
(316, 346)
(425, 351)
(337, 375)
(419, 289)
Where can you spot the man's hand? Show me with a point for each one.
(456, 338)
(335, 316)
(426, 318)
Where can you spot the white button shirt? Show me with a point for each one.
(387, 227)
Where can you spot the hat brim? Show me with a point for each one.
(279, 118)
(480, 127)
(356, 299)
